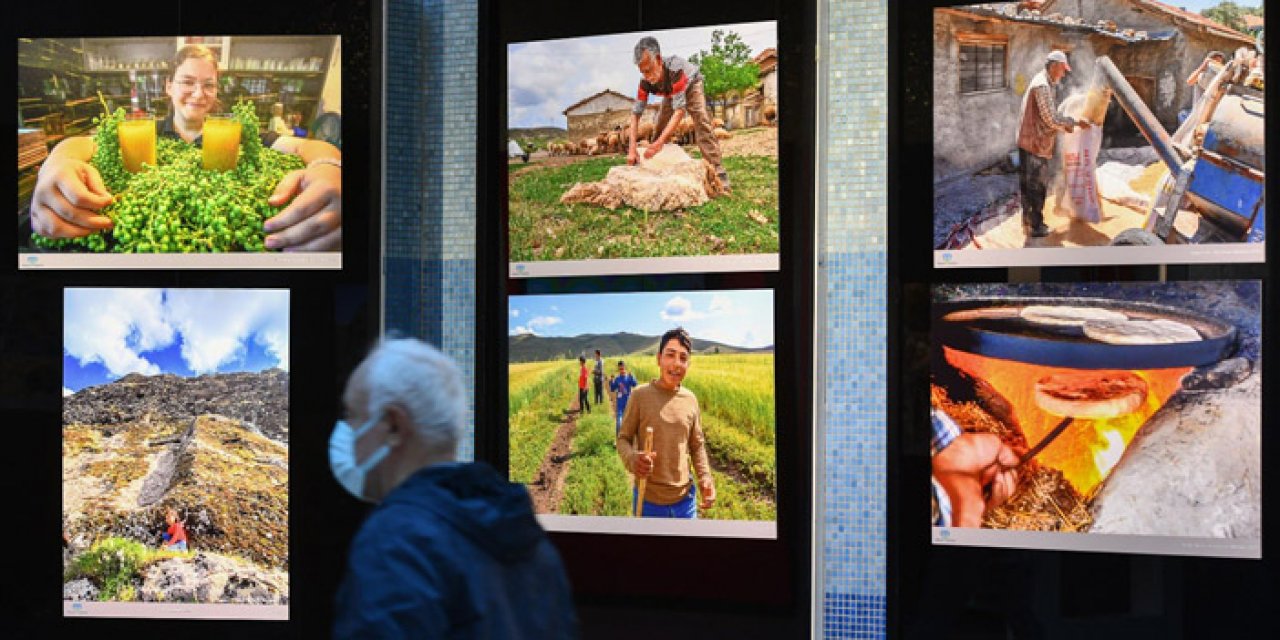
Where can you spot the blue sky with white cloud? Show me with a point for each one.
(742, 318)
(1200, 5)
(108, 333)
(546, 77)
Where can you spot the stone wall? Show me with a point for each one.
(975, 130)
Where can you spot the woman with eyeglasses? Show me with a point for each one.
(69, 193)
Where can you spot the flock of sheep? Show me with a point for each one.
(616, 140)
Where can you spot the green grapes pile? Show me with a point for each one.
(178, 206)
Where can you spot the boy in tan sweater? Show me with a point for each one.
(672, 411)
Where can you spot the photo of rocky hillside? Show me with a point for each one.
(191, 447)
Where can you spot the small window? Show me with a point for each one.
(982, 67)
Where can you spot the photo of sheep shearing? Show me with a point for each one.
(1099, 408)
(175, 452)
(1098, 123)
(644, 145)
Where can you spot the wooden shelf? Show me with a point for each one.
(270, 72)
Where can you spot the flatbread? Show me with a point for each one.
(1068, 316)
(1097, 395)
(984, 313)
(1140, 332)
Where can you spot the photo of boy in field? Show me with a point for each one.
(688, 429)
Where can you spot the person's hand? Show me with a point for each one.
(632, 156)
(66, 200)
(970, 463)
(313, 220)
(707, 491)
(653, 150)
(644, 464)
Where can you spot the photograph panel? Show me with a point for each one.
(1099, 410)
(180, 152)
(589, 376)
(1095, 132)
(644, 152)
(175, 453)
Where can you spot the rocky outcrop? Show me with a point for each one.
(208, 577)
(79, 590)
(259, 400)
(229, 484)
(166, 468)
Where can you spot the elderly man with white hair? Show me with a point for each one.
(453, 549)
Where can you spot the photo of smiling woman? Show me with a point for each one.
(69, 193)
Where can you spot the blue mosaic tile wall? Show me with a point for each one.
(430, 203)
(854, 215)
(430, 257)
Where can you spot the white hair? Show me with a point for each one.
(650, 44)
(426, 383)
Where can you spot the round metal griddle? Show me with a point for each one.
(991, 327)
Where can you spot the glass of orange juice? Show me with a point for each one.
(221, 141)
(137, 135)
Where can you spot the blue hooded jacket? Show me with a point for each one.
(454, 552)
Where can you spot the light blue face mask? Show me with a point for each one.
(342, 457)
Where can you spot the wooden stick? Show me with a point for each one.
(648, 448)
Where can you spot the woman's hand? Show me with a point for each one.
(313, 220)
(68, 195)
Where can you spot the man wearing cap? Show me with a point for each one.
(1200, 78)
(1038, 125)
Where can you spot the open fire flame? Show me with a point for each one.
(1087, 451)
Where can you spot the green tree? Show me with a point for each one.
(1227, 14)
(727, 68)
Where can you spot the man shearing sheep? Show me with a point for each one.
(679, 82)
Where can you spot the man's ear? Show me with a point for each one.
(397, 422)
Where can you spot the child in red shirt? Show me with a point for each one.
(175, 539)
(583, 403)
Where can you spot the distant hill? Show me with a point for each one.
(536, 133)
(531, 348)
(258, 399)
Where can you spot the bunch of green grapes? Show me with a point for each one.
(178, 206)
(250, 142)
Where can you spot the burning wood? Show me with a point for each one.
(1044, 500)
(1074, 452)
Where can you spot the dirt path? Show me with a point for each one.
(547, 487)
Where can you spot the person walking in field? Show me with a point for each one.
(679, 82)
(597, 379)
(673, 413)
(621, 386)
(584, 403)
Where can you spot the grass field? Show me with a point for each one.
(735, 393)
(543, 229)
(540, 392)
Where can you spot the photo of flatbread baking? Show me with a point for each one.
(1118, 408)
(1097, 123)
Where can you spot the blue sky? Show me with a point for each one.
(742, 318)
(108, 333)
(546, 77)
(1200, 5)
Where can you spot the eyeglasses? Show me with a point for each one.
(188, 85)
